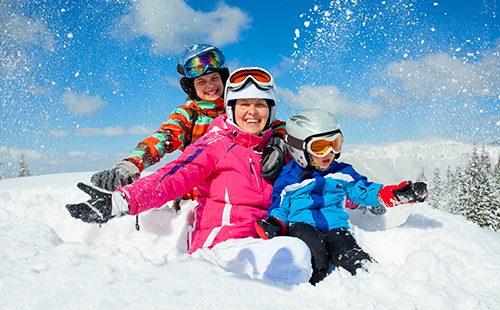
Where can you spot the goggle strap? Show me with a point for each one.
(333, 132)
(294, 142)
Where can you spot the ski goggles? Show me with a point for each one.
(323, 145)
(200, 64)
(259, 77)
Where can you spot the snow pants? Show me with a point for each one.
(283, 260)
(337, 246)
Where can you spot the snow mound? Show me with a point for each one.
(426, 259)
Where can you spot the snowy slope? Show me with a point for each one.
(427, 259)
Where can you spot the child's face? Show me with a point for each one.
(209, 87)
(323, 162)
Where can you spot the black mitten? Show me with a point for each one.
(273, 158)
(123, 173)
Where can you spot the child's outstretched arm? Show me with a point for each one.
(374, 194)
(404, 192)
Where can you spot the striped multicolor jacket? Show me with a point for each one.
(186, 124)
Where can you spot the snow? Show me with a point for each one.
(426, 259)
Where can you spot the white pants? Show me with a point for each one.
(285, 260)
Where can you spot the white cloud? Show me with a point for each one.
(108, 131)
(387, 95)
(59, 133)
(13, 154)
(332, 99)
(285, 66)
(442, 76)
(40, 162)
(114, 131)
(76, 154)
(16, 33)
(172, 81)
(18, 29)
(83, 103)
(172, 25)
(139, 130)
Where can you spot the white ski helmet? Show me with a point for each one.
(250, 83)
(305, 125)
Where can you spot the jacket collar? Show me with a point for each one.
(204, 105)
(239, 136)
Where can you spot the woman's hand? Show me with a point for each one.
(100, 207)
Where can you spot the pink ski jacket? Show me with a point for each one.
(224, 165)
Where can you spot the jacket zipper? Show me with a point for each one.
(253, 171)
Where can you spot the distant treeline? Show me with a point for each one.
(472, 191)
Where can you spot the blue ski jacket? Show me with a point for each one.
(317, 197)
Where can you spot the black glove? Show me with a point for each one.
(98, 209)
(123, 173)
(269, 228)
(412, 192)
(273, 158)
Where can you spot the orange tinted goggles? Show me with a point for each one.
(257, 75)
(260, 78)
(321, 146)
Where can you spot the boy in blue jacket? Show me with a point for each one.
(310, 193)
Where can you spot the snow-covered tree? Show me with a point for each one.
(455, 195)
(477, 194)
(436, 197)
(421, 176)
(2, 174)
(496, 175)
(23, 170)
(495, 181)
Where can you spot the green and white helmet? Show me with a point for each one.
(303, 127)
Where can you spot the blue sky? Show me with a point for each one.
(82, 82)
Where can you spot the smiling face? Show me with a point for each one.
(251, 115)
(323, 162)
(209, 87)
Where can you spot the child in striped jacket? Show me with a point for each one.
(203, 76)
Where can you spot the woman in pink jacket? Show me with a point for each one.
(224, 165)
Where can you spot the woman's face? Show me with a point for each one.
(251, 115)
(323, 162)
(209, 87)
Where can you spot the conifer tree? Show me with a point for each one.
(495, 210)
(488, 203)
(450, 191)
(421, 176)
(471, 187)
(496, 175)
(478, 192)
(23, 170)
(2, 174)
(457, 201)
(436, 197)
